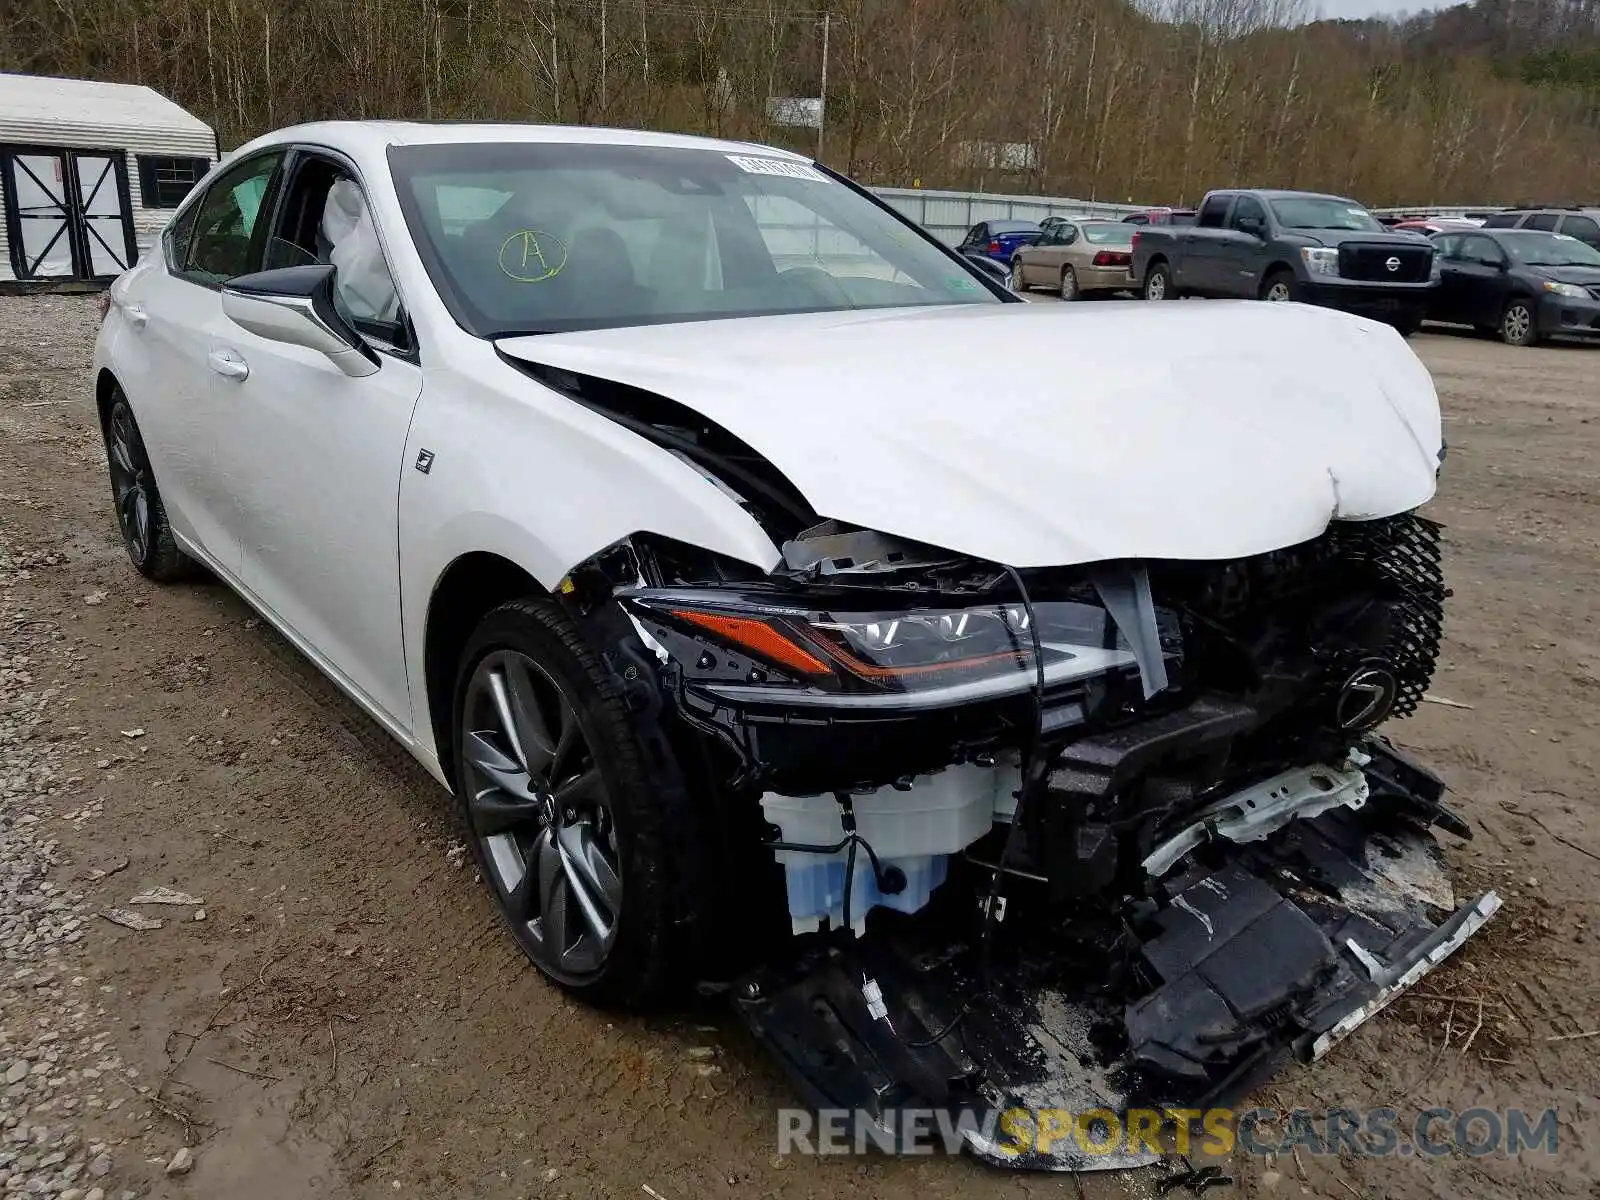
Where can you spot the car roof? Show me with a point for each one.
(372, 139)
(1291, 194)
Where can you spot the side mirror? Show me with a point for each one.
(295, 305)
(1252, 226)
(987, 266)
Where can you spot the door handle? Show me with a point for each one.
(228, 363)
(136, 315)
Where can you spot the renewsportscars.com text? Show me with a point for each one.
(1372, 1133)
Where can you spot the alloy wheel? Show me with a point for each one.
(539, 808)
(1155, 287)
(130, 483)
(1016, 275)
(1278, 293)
(1517, 324)
(1069, 284)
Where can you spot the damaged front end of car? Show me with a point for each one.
(1112, 836)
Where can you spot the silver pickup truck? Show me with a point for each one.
(1278, 245)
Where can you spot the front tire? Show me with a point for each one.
(1019, 283)
(567, 829)
(141, 516)
(1519, 324)
(1279, 288)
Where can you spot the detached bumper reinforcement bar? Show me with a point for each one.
(1393, 980)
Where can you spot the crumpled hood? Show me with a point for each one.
(1041, 435)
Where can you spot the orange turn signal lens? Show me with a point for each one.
(759, 638)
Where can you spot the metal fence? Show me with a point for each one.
(948, 215)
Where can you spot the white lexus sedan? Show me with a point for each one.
(675, 502)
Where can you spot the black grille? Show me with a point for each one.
(1594, 291)
(1393, 560)
(1357, 261)
(1405, 553)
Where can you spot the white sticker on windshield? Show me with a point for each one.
(777, 166)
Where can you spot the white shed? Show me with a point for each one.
(89, 173)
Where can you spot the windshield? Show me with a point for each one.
(552, 237)
(999, 227)
(1549, 250)
(1323, 212)
(1109, 234)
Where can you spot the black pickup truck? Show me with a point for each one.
(1276, 245)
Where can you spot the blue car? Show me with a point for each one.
(998, 240)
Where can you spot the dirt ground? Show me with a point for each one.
(350, 1021)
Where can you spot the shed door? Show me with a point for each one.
(38, 196)
(102, 200)
(67, 213)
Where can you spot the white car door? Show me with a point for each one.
(168, 361)
(316, 456)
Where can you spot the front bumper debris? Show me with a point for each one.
(1242, 955)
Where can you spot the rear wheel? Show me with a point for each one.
(141, 517)
(1158, 282)
(1069, 284)
(566, 827)
(1518, 326)
(1278, 288)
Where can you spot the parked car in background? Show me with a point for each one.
(1162, 216)
(1279, 245)
(1523, 284)
(1077, 258)
(1580, 223)
(1431, 225)
(998, 240)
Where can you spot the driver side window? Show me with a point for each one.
(1248, 216)
(1482, 250)
(324, 219)
(223, 241)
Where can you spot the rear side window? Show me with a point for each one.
(1502, 220)
(1213, 212)
(177, 237)
(226, 220)
(1545, 221)
(1585, 229)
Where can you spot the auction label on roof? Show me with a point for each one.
(776, 166)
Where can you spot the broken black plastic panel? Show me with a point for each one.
(1183, 998)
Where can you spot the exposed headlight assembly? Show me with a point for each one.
(1567, 289)
(836, 654)
(1320, 260)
